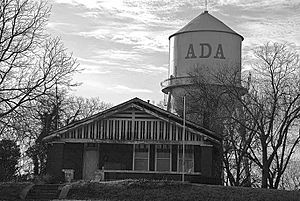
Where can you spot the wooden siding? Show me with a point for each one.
(130, 125)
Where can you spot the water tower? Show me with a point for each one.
(205, 47)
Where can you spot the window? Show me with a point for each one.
(188, 159)
(115, 156)
(163, 158)
(141, 157)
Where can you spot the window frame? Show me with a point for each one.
(170, 157)
(141, 158)
(179, 166)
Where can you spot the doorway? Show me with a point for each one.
(90, 158)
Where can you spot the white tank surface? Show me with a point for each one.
(205, 45)
(210, 51)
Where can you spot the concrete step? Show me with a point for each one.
(46, 186)
(43, 192)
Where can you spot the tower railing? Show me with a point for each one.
(188, 80)
(176, 81)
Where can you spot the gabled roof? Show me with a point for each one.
(142, 105)
(206, 22)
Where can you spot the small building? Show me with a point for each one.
(135, 139)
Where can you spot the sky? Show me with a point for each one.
(123, 47)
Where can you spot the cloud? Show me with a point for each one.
(147, 69)
(97, 33)
(119, 60)
(87, 3)
(97, 62)
(125, 42)
(144, 25)
(114, 54)
(121, 89)
(260, 30)
(256, 3)
(94, 69)
(57, 25)
(136, 36)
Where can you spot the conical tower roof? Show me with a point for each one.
(206, 22)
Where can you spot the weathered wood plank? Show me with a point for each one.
(119, 129)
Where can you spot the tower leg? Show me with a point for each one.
(169, 102)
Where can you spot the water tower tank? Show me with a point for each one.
(206, 46)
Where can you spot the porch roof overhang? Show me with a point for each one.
(142, 106)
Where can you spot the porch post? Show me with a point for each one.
(133, 156)
(183, 140)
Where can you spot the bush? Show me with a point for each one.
(9, 156)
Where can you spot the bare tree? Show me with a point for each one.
(265, 131)
(275, 93)
(212, 103)
(31, 62)
(22, 90)
(236, 144)
(75, 108)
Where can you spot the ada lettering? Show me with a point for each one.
(205, 51)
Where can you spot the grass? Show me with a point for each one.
(137, 190)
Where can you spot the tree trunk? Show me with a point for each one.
(35, 165)
(264, 177)
(247, 171)
(247, 182)
(265, 168)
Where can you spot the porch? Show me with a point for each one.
(135, 161)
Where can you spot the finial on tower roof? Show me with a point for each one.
(206, 11)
